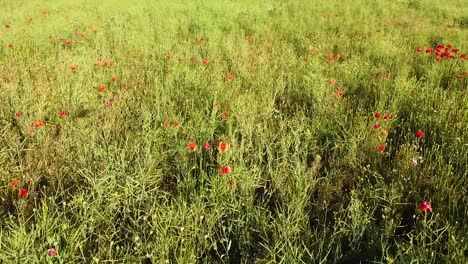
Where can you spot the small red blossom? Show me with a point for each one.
(169, 56)
(22, 193)
(419, 49)
(429, 50)
(377, 125)
(223, 147)
(225, 114)
(14, 183)
(73, 67)
(113, 79)
(192, 60)
(108, 63)
(425, 207)
(331, 82)
(175, 124)
(123, 85)
(63, 113)
(68, 42)
(459, 76)
(7, 26)
(377, 115)
(17, 114)
(463, 56)
(207, 146)
(166, 123)
(381, 148)
(225, 170)
(102, 88)
(387, 117)
(420, 134)
(229, 77)
(39, 123)
(192, 146)
(201, 40)
(384, 132)
(205, 61)
(10, 45)
(52, 252)
(338, 92)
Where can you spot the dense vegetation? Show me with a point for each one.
(233, 131)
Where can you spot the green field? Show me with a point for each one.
(233, 131)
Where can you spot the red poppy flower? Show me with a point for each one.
(108, 63)
(7, 26)
(14, 183)
(169, 56)
(68, 42)
(381, 148)
(113, 79)
(425, 207)
(123, 85)
(224, 114)
(192, 146)
(63, 113)
(166, 123)
(387, 75)
(331, 82)
(176, 124)
(338, 92)
(10, 45)
(378, 74)
(418, 49)
(377, 115)
(201, 40)
(39, 123)
(52, 252)
(205, 61)
(377, 125)
(17, 114)
(73, 67)
(223, 147)
(225, 170)
(23, 192)
(429, 50)
(207, 146)
(459, 76)
(420, 134)
(229, 77)
(192, 60)
(463, 56)
(102, 88)
(387, 117)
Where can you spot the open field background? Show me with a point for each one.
(328, 124)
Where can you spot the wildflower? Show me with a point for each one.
(205, 61)
(418, 49)
(207, 146)
(331, 82)
(225, 170)
(224, 114)
(169, 56)
(381, 148)
(463, 56)
(387, 117)
(425, 206)
(384, 132)
(201, 40)
(166, 123)
(22, 193)
(377, 125)
(108, 104)
(17, 114)
(7, 26)
(459, 76)
(176, 124)
(429, 50)
(377, 115)
(14, 183)
(113, 79)
(229, 77)
(223, 147)
(192, 60)
(68, 42)
(338, 93)
(102, 88)
(10, 45)
(123, 85)
(419, 134)
(192, 146)
(73, 67)
(39, 123)
(108, 63)
(378, 74)
(52, 252)
(63, 113)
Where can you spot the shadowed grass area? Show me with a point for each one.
(320, 129)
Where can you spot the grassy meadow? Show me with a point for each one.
(292, 131)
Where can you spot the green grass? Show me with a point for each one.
(111, 183)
